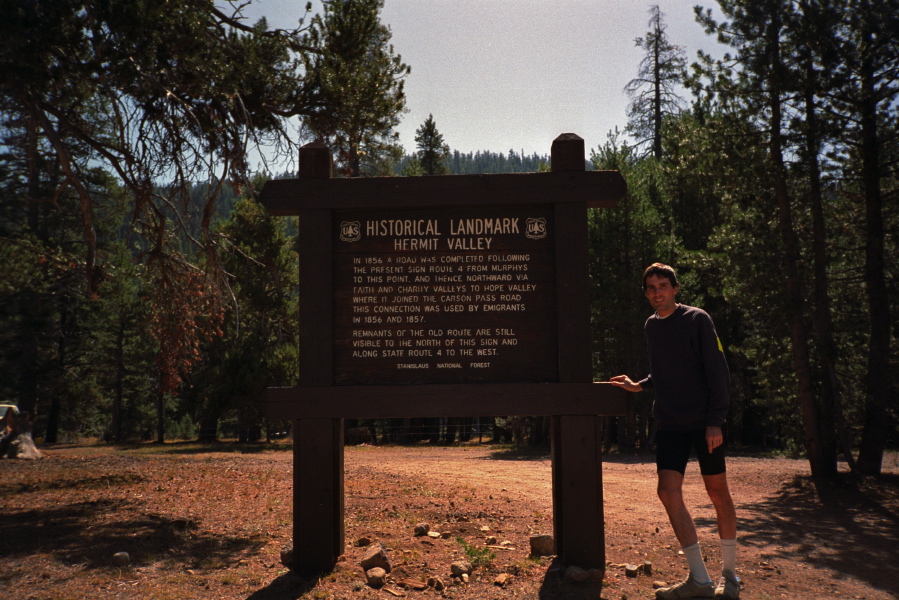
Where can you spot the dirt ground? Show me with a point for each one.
(209, 522)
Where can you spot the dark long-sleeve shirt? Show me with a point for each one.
(687, 370)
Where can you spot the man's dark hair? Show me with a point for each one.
(660, 270)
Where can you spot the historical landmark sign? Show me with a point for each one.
(445, 296)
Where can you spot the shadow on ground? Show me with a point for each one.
(556, 587)
(289, 586)
(525, 453)
(849, 528)
(89, 534)
(221, 447)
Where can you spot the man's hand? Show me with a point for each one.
(623, 381)
(713, 437)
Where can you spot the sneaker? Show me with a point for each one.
(728, 587)
(687, 588)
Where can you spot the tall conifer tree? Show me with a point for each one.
(653, 93)
(353, 92)
(758, 30)
(432, 151)
(866, 90)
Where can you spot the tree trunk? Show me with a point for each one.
(208, 430)
(28, 369)
(449, 433)
(820, 464)
(870, 458)
(160, 417)
(627, 428)
(51, 436)
(657, 97)
(823, 321)
(119, 393)
(432, 429)
(403, 436)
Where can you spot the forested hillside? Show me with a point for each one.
(472, 163)
(146, 295)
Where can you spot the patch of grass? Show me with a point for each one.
(524, 566)
(478, 557)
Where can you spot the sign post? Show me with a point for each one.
(445, 296)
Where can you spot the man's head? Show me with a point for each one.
(660, 270)
(660, 287)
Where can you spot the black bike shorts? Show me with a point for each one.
(673, 452)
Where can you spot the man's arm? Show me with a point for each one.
(716, 372)
(714, 437)
(623, 381)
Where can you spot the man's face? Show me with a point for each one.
(661, 294)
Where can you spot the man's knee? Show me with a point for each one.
(670, 487)
(716, 487)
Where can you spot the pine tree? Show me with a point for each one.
(653, 93)
(353, 90)
(759, 32)
(65, 358)
(153, 93)
(258, 347)
(432, 151)
(866, 90)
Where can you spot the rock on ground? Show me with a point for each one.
(376, 556)
(543, 545)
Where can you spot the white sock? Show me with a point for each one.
(697, 566)
(729, 556)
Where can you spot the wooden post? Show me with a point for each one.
(567, 153)
(578, 525)
(318, 490)
(318, 499)
(576, 440)
(315, 162)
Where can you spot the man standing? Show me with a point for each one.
(692, 385)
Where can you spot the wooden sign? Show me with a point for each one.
(455, 295)
(462, 295)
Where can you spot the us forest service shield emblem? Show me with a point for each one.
(536, 229)
(350, 231)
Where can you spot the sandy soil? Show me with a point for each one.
(210, 524)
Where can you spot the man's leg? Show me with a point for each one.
(719, 494)
(670, 490)
(716, 485)
(698, 584)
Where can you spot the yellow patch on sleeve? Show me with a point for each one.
(720, 347)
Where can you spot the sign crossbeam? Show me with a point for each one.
(598, 189)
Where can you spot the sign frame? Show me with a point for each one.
(318, 407)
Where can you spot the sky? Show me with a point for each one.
(504, 75)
